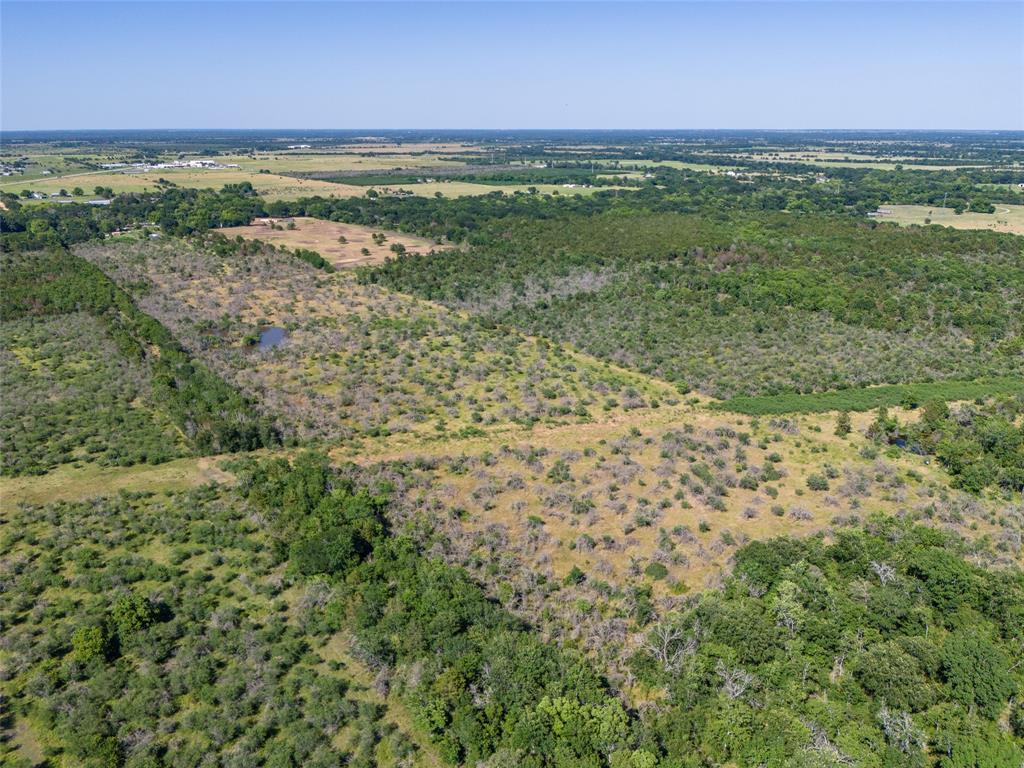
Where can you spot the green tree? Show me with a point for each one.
(817, 482)
(131, 614)
(843, 427)
(977, 672)
(89, 643)
(890, 674)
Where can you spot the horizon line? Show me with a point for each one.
(497, 130)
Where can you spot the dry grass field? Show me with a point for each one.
(680, 487)
(570, 527)
(1007, 218)
(269, 185)
(365, 160)
(341, 244)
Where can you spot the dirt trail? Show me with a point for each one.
(70, 483)
(398, 447)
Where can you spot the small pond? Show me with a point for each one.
(271, 337)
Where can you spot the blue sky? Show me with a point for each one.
(512, 65)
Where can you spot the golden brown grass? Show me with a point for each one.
(601, 455)
(1007, 218)
(71, 483)
(324, 237)
(269, 185)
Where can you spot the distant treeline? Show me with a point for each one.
(788, 187)
(588, 174)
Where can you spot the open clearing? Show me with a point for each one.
(71, 482)
(308, 162)
(1007, 218)
(269, 185)
(839, 159)
(324, 238)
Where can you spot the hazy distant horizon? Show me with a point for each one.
(609, 65)
(368, 132)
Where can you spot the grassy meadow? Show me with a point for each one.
(1007, 218)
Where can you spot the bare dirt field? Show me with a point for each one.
(324, 237)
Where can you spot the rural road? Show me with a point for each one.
(52, 178)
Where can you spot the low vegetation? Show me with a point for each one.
(868, 398)
(215, 649)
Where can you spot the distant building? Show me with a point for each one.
(200, 164)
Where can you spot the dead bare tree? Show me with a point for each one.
(885, 572)
(735, 681)
(900, 730)
(671, 646)
(821, 744)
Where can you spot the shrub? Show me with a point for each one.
(817, 482)
(656, 571)
(575, 576)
